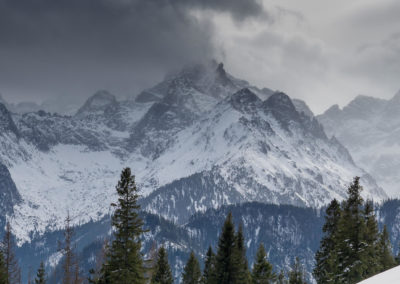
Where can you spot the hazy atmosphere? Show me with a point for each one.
(322, 52)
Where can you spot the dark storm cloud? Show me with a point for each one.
(77, 46)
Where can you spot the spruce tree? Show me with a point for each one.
(209, 272)
(351, 233)
(162, 271)
(296, 275)
(243, 275)
(326, 264)
(262, 270)
(225, 267)
(384, 251)
(125, 262)
(41, 275)
(191, 273)
(12, 270)
(372, 263)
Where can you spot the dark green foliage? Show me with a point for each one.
(352, 248)
(351, 229)
(296, 275)
(262, 270)
(325, 270)
(384, 251)
(125, 262)
(243, 275)
(226, 268)
(209, 272)
(162, 272)
(191, 273)
(371, 235)
(41, 275)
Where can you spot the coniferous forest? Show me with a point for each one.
(352, 248)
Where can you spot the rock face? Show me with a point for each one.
(9, 195)
(370, 129)
(200, 139)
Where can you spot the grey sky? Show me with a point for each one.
(324, 52)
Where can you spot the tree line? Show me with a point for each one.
(352, 249)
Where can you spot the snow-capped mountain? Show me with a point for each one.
(199, 139)
(370, 128)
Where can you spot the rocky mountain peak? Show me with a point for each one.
(97, 103)
(244, 100)
(282, 108)
(6, 122)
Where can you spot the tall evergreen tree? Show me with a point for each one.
(41, 275)
(326, 265)
(3, 274)
(125, 262)
(262, 270)
(371, 235)
(209, 272)
(226, 269)
(191, 273)
(13, 272)
(162, 271)
(351, 243)
(384, 251)
(243, 275)
(296, 275)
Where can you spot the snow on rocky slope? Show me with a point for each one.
(370, 128)
(199, 139)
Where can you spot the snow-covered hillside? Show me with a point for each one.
(391, 276)
(370, 128)
(199, 139)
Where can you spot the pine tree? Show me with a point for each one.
(3, 274)
(326, 265)
(13, 272)
(372, 263)
(296, 275)
(191, 273)
(351, 233)
(262, 270)
(243, 275)
(384, 251)
(41, 275)
(225, 267)
(162, 271)
(209, 272)
(125, 262)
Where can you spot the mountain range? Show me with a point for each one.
(200, 139)
(370, 128)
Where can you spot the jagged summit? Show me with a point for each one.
(7, 124)
(201, 139)
(97, 104)
(245, 99)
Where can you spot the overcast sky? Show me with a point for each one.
(324, 52)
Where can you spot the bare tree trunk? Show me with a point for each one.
(13, 271)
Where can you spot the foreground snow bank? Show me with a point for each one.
(390, 276)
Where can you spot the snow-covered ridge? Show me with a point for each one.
(201, 139)
(370, 128)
